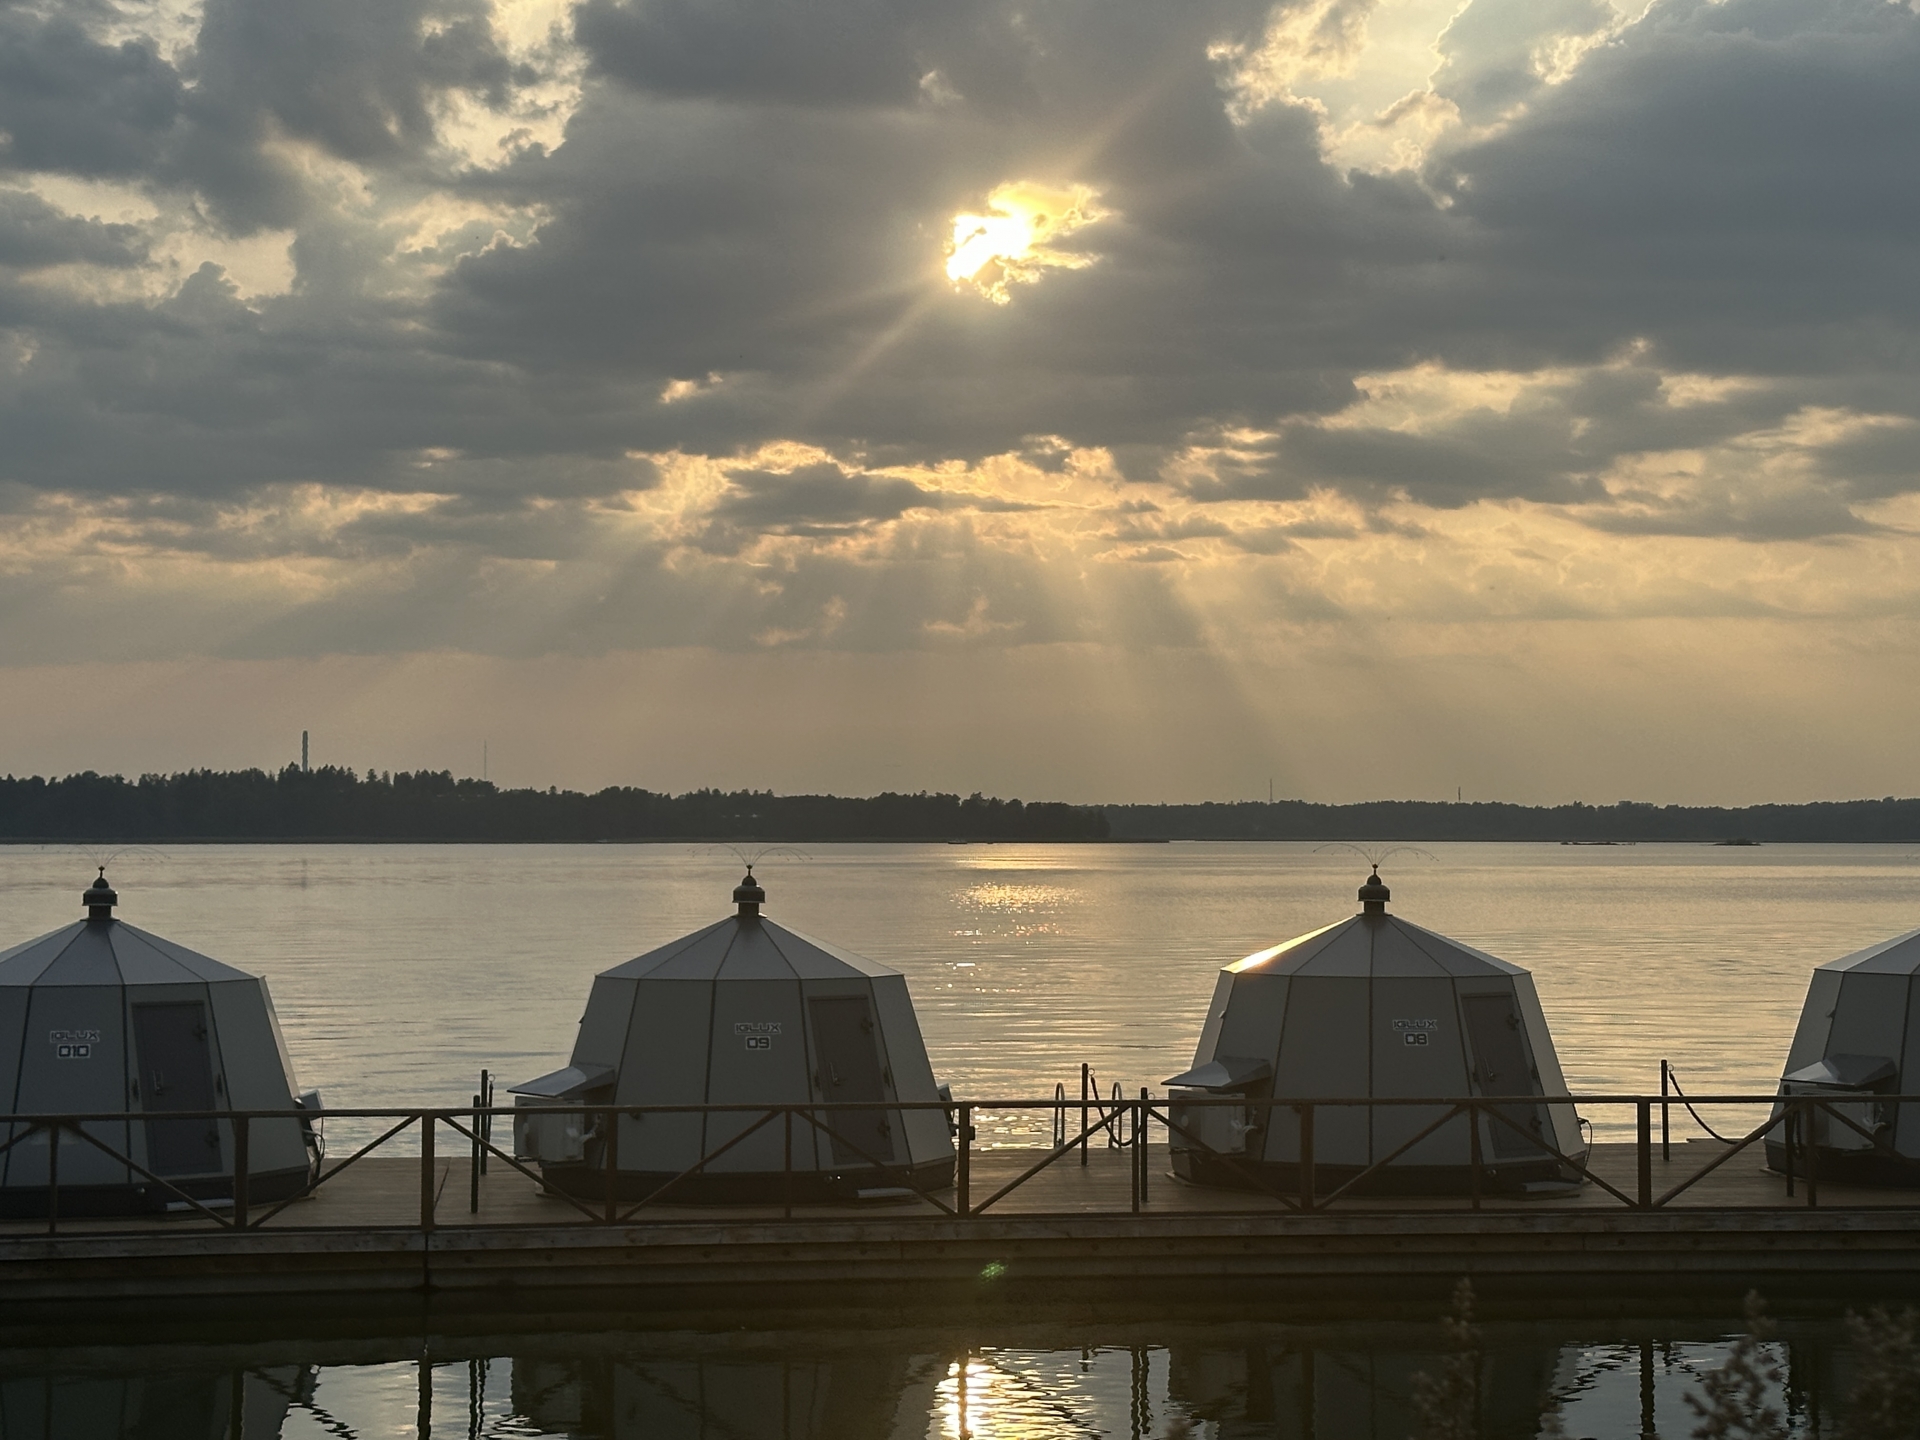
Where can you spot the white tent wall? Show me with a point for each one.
(665, 1063)
(1407, 1008)
(284, 1055)
(1324, 1054)
(604, 1024)
(737, 1075)
(905, 1054)
(249, 1062)
(1871, 1016)
(1906, 1129)
(1253, 1018)
(50, 1085)
(1251, 1010)
(1209, 1044)
(1816, 1020)
(1564, 1119)
(13, 1029)
(1810, 1036)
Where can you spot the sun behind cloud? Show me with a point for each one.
(1013, 242)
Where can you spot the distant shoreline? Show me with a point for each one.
(338, 806)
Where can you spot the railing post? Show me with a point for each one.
(485, 1128)
(610, 1152)
(1666, 1112)
(241, 1166)
(1790, 1133)
(1813, 1155)
(1645, 1152)
(1133, 1159)
(786, 1165)
(963, 1166)
(1473, 1148)
(1306, 1155)
(1085, 1071)
(1146, 1116)
(473, 1172)
(426, 1170)
(53, 1178)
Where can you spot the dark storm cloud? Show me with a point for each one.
(808, 52)
(72, 105)
(817, 498)
(1737, 181)
(1552, 443)
(34, 234)
(357, 78)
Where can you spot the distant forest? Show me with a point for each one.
(1625, 823)
(337, 804)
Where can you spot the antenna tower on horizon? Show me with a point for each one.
(305, 768)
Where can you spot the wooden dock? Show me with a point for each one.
(1069, 1230)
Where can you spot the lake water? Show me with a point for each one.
(1247, 1381)
(400, 971)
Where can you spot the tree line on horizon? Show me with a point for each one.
(337, 803)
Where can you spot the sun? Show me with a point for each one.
(1014, 241)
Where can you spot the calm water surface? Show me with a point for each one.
(400, 971)
(1212, 1382)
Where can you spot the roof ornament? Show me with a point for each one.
(1374, 893)
(100, 898)
(749, 895)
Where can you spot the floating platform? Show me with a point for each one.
(1069, 1231)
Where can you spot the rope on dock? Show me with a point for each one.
(1674, 1075)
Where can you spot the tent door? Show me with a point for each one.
(1501, 1067)
(176, 1073)
(847, 1067)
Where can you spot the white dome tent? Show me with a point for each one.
(743, 1012)
(1373, 1006)
(101, 1017)
(1859, 1039)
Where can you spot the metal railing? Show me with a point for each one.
(1305, 1182)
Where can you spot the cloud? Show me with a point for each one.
(688, 365)
(70, 104)
(34, 235)
(817, 499)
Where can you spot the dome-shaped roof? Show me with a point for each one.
(1898, 956)
(748, 947)
(109, 952)
(1373, 945)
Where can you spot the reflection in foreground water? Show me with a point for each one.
(1216, 1382)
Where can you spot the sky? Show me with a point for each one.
(1077, 399)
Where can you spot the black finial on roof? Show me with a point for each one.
(100, 898)
(1374, 894)
(749, 895)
